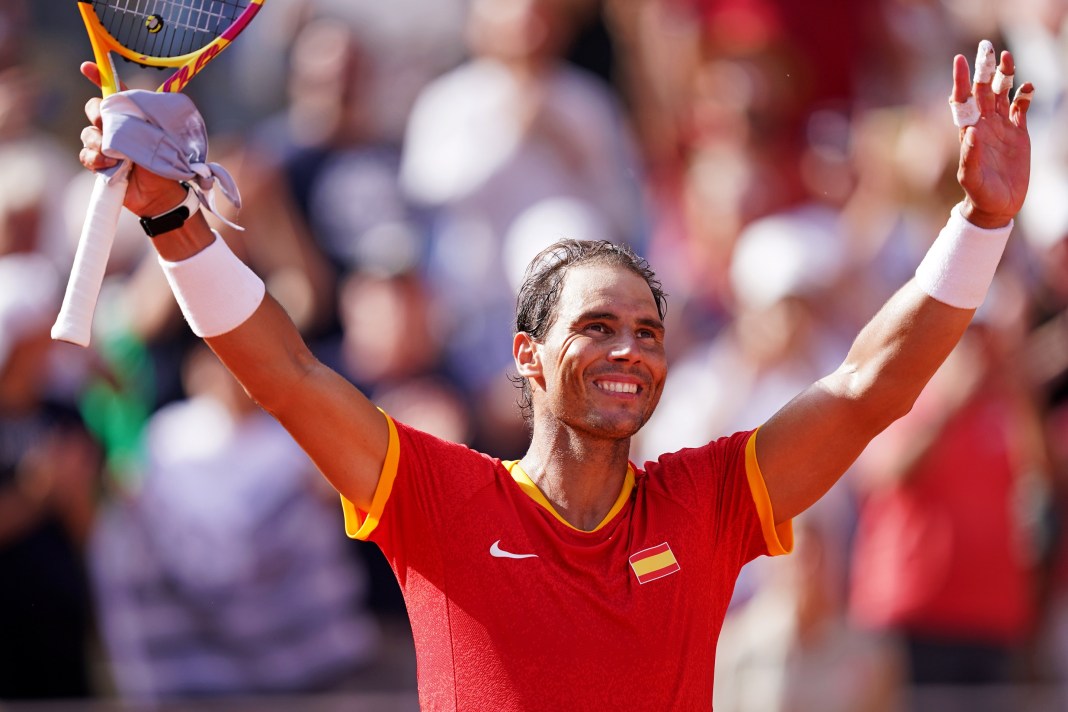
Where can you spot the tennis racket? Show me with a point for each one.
(181, 34)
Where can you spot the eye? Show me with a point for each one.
(653, 335)
(597, 327)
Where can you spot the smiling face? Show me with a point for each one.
(601, 366)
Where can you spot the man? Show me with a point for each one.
(573, 579)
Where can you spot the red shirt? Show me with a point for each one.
(514, 609)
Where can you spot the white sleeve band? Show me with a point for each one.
(960, 265)
(216, 291)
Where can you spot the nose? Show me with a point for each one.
(625, 347)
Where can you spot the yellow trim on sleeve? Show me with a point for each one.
(357, 524)
(779, 539)
(527, 485)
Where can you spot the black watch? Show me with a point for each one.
(175, 217)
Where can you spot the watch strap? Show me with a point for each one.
(173, 218)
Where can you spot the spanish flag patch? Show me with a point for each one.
(653, 563)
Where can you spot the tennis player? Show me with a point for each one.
(572, 578)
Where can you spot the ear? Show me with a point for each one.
(527, 355)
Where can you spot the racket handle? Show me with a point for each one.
(75, 320)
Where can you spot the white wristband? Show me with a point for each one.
(216, 291)
(960, 265)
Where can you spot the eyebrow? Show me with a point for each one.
(647, 322)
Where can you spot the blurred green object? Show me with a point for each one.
(116, 411)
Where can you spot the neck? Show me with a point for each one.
(580, 477)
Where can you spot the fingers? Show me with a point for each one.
(91, 156)
(1020, 105)
(961, 102)
(988, 92)
(91, 72)
(962, 87)
(1002, 83)
(984, 76)
(92, 111)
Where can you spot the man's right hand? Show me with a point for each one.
(147, 193)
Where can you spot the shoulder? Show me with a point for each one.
(422, 452)
(713, 458)
(699, 473)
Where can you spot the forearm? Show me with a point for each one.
(264, 348)
(809, 444)
(806, 447)
(227, 305)
(896, 354)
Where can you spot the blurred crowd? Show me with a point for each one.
(782, 165)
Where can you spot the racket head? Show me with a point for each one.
(181, 34)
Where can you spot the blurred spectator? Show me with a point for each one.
(390, 350)
(777, 344)
(792, 647)
(49, 471)
(897, 202)
(221, 573)
(325, 175)
(945, 554)
(1054, 643)
(406, 42)
(905, 46)
(1037, 32)
(745, 153)
(512, 127)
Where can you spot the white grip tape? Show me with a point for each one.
(960, 265)
(965, 113)
(984, 63)
(1002, 82)
(216, 291)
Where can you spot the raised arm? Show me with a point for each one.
(805, 447)
(339, 428)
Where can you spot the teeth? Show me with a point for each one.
(616, 387)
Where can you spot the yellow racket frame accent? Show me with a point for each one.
(188, 65)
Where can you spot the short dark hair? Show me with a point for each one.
(539, 295)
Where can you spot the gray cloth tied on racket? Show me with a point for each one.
(164, 133)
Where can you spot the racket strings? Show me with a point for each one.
(167, 28)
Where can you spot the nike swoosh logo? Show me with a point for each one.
(498, 552)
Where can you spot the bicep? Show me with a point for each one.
(809, 443)
(336, 425)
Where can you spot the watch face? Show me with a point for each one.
(166, 222)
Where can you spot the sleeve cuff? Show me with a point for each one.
(779, 539)
(359, 524)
